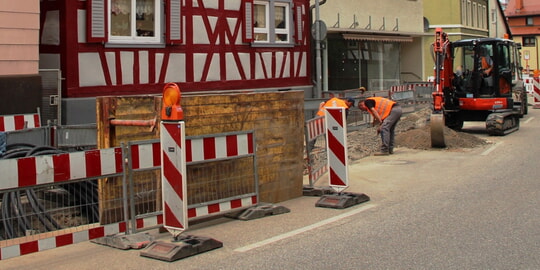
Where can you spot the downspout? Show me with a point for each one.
(318, 61)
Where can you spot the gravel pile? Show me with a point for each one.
(412, 132)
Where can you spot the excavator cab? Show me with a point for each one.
(482, 68)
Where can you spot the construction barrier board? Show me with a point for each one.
(336, 139)
(173, 176)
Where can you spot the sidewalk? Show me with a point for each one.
(383, 179)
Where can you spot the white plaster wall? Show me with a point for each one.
(90, 71)
(231, 68)
(126, 62)
(175, 69)
(143, 67)
(200, 36)
(233, 4)
(111, 64)
(159, 64)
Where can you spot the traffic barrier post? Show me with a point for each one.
(536, 93)
(336, 140)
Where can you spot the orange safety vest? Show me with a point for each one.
(333, 102)
(383, 106)
(485, 64)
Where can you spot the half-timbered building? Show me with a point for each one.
(128, 47)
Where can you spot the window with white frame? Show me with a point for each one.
(134, 21)
(271, 21)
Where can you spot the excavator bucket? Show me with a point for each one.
(437, 130)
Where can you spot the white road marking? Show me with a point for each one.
(485, 153)
(529, 120)
(304, 229)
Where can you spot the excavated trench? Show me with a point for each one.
(412, 132)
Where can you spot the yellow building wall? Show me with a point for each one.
(532, 52)
(408, 14)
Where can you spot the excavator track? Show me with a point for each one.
(502, 123)
(436, 122)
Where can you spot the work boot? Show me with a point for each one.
(391, 151)
(381, 153)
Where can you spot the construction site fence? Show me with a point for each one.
(53, 200)
(68, 138)
(411, 97)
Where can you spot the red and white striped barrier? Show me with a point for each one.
(50, 169)
(173, 177)
(31, 171)
(536, 93)
(61, 240)
(218, 147)
(145, 155)
(60, 168)
(401, 88)
(223, 207)
(314, 128)
(336, 138)
(529, 85)
(19, 121)
(65, 239)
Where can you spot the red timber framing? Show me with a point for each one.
(206, 45)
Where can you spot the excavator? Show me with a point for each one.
(476, 80)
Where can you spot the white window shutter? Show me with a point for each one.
(174, 21)
(247, 27)
(97, 21)
(299, 24)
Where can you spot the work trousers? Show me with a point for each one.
(388, 128)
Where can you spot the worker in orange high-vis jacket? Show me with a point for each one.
(336, 102)
(386, 114)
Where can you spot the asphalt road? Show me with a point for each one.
(438, 209)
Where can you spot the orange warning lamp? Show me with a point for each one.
(171, 109)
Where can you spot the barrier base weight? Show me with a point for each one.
(261, 210)
(183, 246)
(341, 200)
(317, 191)
(121, 241)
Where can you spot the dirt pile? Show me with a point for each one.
(412, 132)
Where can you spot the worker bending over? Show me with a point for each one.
(386, 114)
(336, 102)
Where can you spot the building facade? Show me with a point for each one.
(524, 20)
(128, 47)
(374, 44)
(19, 56)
